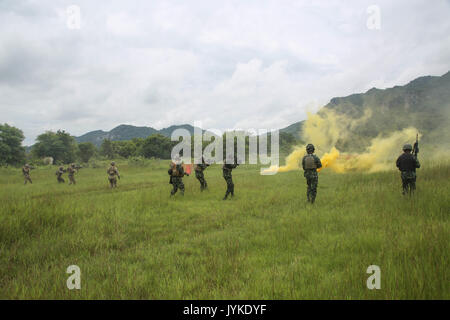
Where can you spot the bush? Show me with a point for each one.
(138, 162)
(94, 163)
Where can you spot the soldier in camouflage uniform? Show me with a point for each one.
(113, 172)
(227, 168)
(199, 168)
(59, 174)
(177, 173)
(310, 164)
(26, 173)
(407, 164)
(72, 170)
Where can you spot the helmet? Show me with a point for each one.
(27, 165)
(61, 167)
(113, 163)
(407, 147)
(310, 147)
(73, 165)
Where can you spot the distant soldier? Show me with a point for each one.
(113, 172)
(310, 164)
(407, 164)
(72, 170)
(227, 167)
(177, 173)
(26, 173)
(59, 174)
(199, 168)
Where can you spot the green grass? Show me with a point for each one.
(136, 242)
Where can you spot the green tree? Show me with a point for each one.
(86, 151)
(157, 146)
(61, 146)
(106, 149)
(11, 150)
(124, 148)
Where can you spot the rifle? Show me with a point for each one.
(415, 150)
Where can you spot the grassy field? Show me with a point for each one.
(136, 242)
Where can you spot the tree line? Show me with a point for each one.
(64, 149)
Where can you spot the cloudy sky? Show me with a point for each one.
(229, 64)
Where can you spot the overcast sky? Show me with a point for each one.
(230, 64)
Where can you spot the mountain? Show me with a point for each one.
(128, 132)
(122, 132)
(168, 131)
(295, 129)
(423, 103)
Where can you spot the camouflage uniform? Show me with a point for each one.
(199, 168)
(113, 174)
(71, 170)
(227, 168)
(26, 174)
(177, 173)
(59, 174)
(310, 164)
(407, 164)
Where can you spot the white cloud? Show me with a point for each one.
(232, 64)
(122, 24)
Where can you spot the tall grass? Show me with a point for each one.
(135, 242)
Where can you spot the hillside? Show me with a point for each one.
(423, 103)
(295, 129)
(128, 132)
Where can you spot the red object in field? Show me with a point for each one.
(187, 168)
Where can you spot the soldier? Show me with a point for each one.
(112, 173)
(177, 173)
(407, 164)
(59, 174)
(26, 173)
(310, 164)
(72, 170)
(227, 168)
(199, 168)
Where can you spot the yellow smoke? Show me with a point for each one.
(379, 156)
(329, 160)
(326, 128)
(292, 162)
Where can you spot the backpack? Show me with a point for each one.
(175, 170)
(310, 162)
